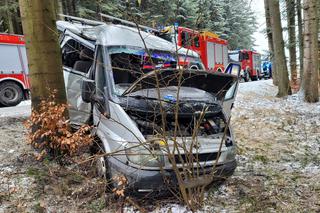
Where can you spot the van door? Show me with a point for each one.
(229, 98)
(101, 108)
(77, 58)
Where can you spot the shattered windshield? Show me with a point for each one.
(129, 64)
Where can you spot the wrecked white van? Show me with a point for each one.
(126, 83)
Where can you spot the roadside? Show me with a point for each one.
(278, 163)
(22, 110)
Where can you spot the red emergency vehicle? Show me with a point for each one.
(213, 50)
(250, 63)
(14, 80)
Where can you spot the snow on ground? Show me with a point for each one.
(22, 110)
(278, 163)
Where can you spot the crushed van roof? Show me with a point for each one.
(120, 35)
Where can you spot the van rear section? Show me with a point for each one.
(14, 78)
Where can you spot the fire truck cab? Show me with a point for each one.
(213, 50)
(250, 63)
(14, 81)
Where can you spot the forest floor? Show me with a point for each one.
(278, 164)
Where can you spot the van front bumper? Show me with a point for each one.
(154, 180)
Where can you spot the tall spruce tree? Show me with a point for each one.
(311, 51)
(284, 88)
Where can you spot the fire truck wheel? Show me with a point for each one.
(254, 78)
(246, 77)
(11, 94)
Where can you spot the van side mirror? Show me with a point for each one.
(87, 90)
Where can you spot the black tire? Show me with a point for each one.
(246, 76)
(219, 70)
(103, 169)
(11, 94)
(254, 78)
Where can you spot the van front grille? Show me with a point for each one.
(203, 157)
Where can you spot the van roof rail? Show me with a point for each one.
(128, 23)
(81, 20)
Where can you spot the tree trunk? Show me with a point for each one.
(270, 42)
(9, 18)
(290, 6)
(44, 57)
(59, 8)
(70, 7)
(98, 9)
(16, 20)
(300, 38)
(280, 60)
(64, 7)
(310, 60)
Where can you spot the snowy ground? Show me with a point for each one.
(22, 110)
(278, 163)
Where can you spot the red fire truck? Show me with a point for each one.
(14, 80)
(213, 50)
(250, 63)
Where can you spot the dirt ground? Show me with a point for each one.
(278, 164)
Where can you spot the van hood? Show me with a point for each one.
(216, 84)
(170, 94)
(191, 102)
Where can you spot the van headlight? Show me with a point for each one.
(231, 153)
(141, 156)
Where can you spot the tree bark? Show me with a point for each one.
(270, 42)
(280, 60)
(300, 38)
(70, 7)
(59, 8)
(44, 57)
(290, 6)
(16, 20)
(9, 18)
(310, 60)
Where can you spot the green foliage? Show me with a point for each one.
(10, 16)
(231, 19)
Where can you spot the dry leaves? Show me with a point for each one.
(50, 131)
(121, 185)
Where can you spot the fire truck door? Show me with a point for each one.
(225, 55)
(210, 55)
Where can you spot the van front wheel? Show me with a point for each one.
(104, 171)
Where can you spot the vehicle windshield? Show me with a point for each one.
(129, 64)
(234, 57)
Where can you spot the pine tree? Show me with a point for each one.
(300, 38)
(290, 8)
(270, 41)
(280, 60)
(10, 16)
(311, 54)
